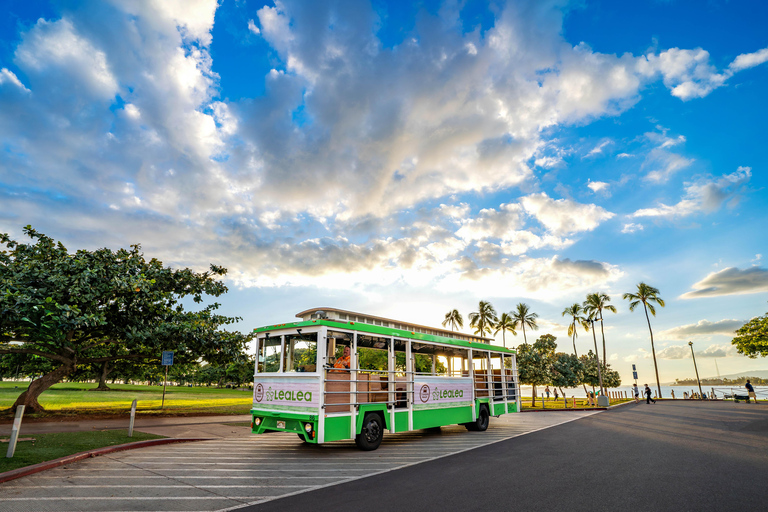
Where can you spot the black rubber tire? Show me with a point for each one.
(481, 423)
(301, 436)
(372, 433)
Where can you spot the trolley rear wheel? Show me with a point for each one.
(482, 421)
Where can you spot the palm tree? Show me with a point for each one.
(504, 324)
(484, 320)
(647, 294)
(454, 318)
(575, 312)
(597, 302)
(591, 321)
(523, 317)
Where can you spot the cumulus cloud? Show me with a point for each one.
(705, 195)
(327, 171)
(563, 216)
(702, 328)
(598, 186)
(631, 228)
(684, 352)
(730, 281)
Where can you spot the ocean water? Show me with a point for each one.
(666, 391)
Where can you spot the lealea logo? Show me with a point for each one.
(424, 393)
(259, 393)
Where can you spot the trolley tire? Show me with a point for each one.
(481, 423)
(301, 436)
(372, 433)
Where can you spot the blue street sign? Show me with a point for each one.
(634, 375)
(167, 358)
(633, 368)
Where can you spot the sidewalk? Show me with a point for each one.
(176, 427)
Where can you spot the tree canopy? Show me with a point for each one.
(101, 306)
(752, 338)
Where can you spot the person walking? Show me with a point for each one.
(547, 392)
(673, 394)
(751, 391)
(648, 398)
(636, 390)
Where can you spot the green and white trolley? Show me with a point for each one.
(400, 377)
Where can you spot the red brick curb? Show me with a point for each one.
(36, 468)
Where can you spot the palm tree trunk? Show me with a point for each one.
(524, 339)
(653, 349)
(597, 356)
(574, 341)
(602, 331)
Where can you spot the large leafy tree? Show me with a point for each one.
(522, 317)
(593, 372)
(101, 306)
(596, 303)
(484, 319)
(534, 363)
(752, 338)
(454, 319)
(567, 371)
(647, 295)
(505, 324)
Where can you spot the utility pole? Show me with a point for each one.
(701, 393)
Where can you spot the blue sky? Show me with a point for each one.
(407, 158)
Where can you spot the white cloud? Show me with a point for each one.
(705, 195)
(563, 216)
(253, 28)
(684, 352)
(749, 60)
(598, 186)
(598, 150)
(730, 281)
(631, 228)
(702, 328)
(8, 77)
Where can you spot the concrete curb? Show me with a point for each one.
(50, 464)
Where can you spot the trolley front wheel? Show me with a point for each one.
(372, 433)
(481, 423)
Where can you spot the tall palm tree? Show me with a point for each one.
(591, 319)
(454, 318)
(523, 317)
(647, 295)
(504, 324)
(597, 302)
(575, 312)
(484, 320)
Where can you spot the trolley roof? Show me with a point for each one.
(384, 331)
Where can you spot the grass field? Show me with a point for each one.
(52, 446)
(553, 404)
(71, 398)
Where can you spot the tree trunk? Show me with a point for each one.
(533, 398)
(602, 331)
(105, 371)
(597, 356)
(653, 350)
(29, 397)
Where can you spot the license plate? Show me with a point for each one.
(280, 424)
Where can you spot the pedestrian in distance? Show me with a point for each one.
(547, 392)
(556, 395)
(673, 394)
(751, 391)
(636, 390)
(648, 398)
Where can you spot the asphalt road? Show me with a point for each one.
(675, 456)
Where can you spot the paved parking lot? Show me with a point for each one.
(229, 473)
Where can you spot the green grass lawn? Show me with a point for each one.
(72, 398)
(52, 446)
(552, 404)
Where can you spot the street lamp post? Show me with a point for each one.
(701, 393)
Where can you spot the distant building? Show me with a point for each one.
(351, 316)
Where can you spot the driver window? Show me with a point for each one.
(301, 352)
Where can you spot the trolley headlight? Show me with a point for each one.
(308, 427)
(257, 421)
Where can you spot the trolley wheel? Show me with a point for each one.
(372, 433)
(481, 423)
(301, 436)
